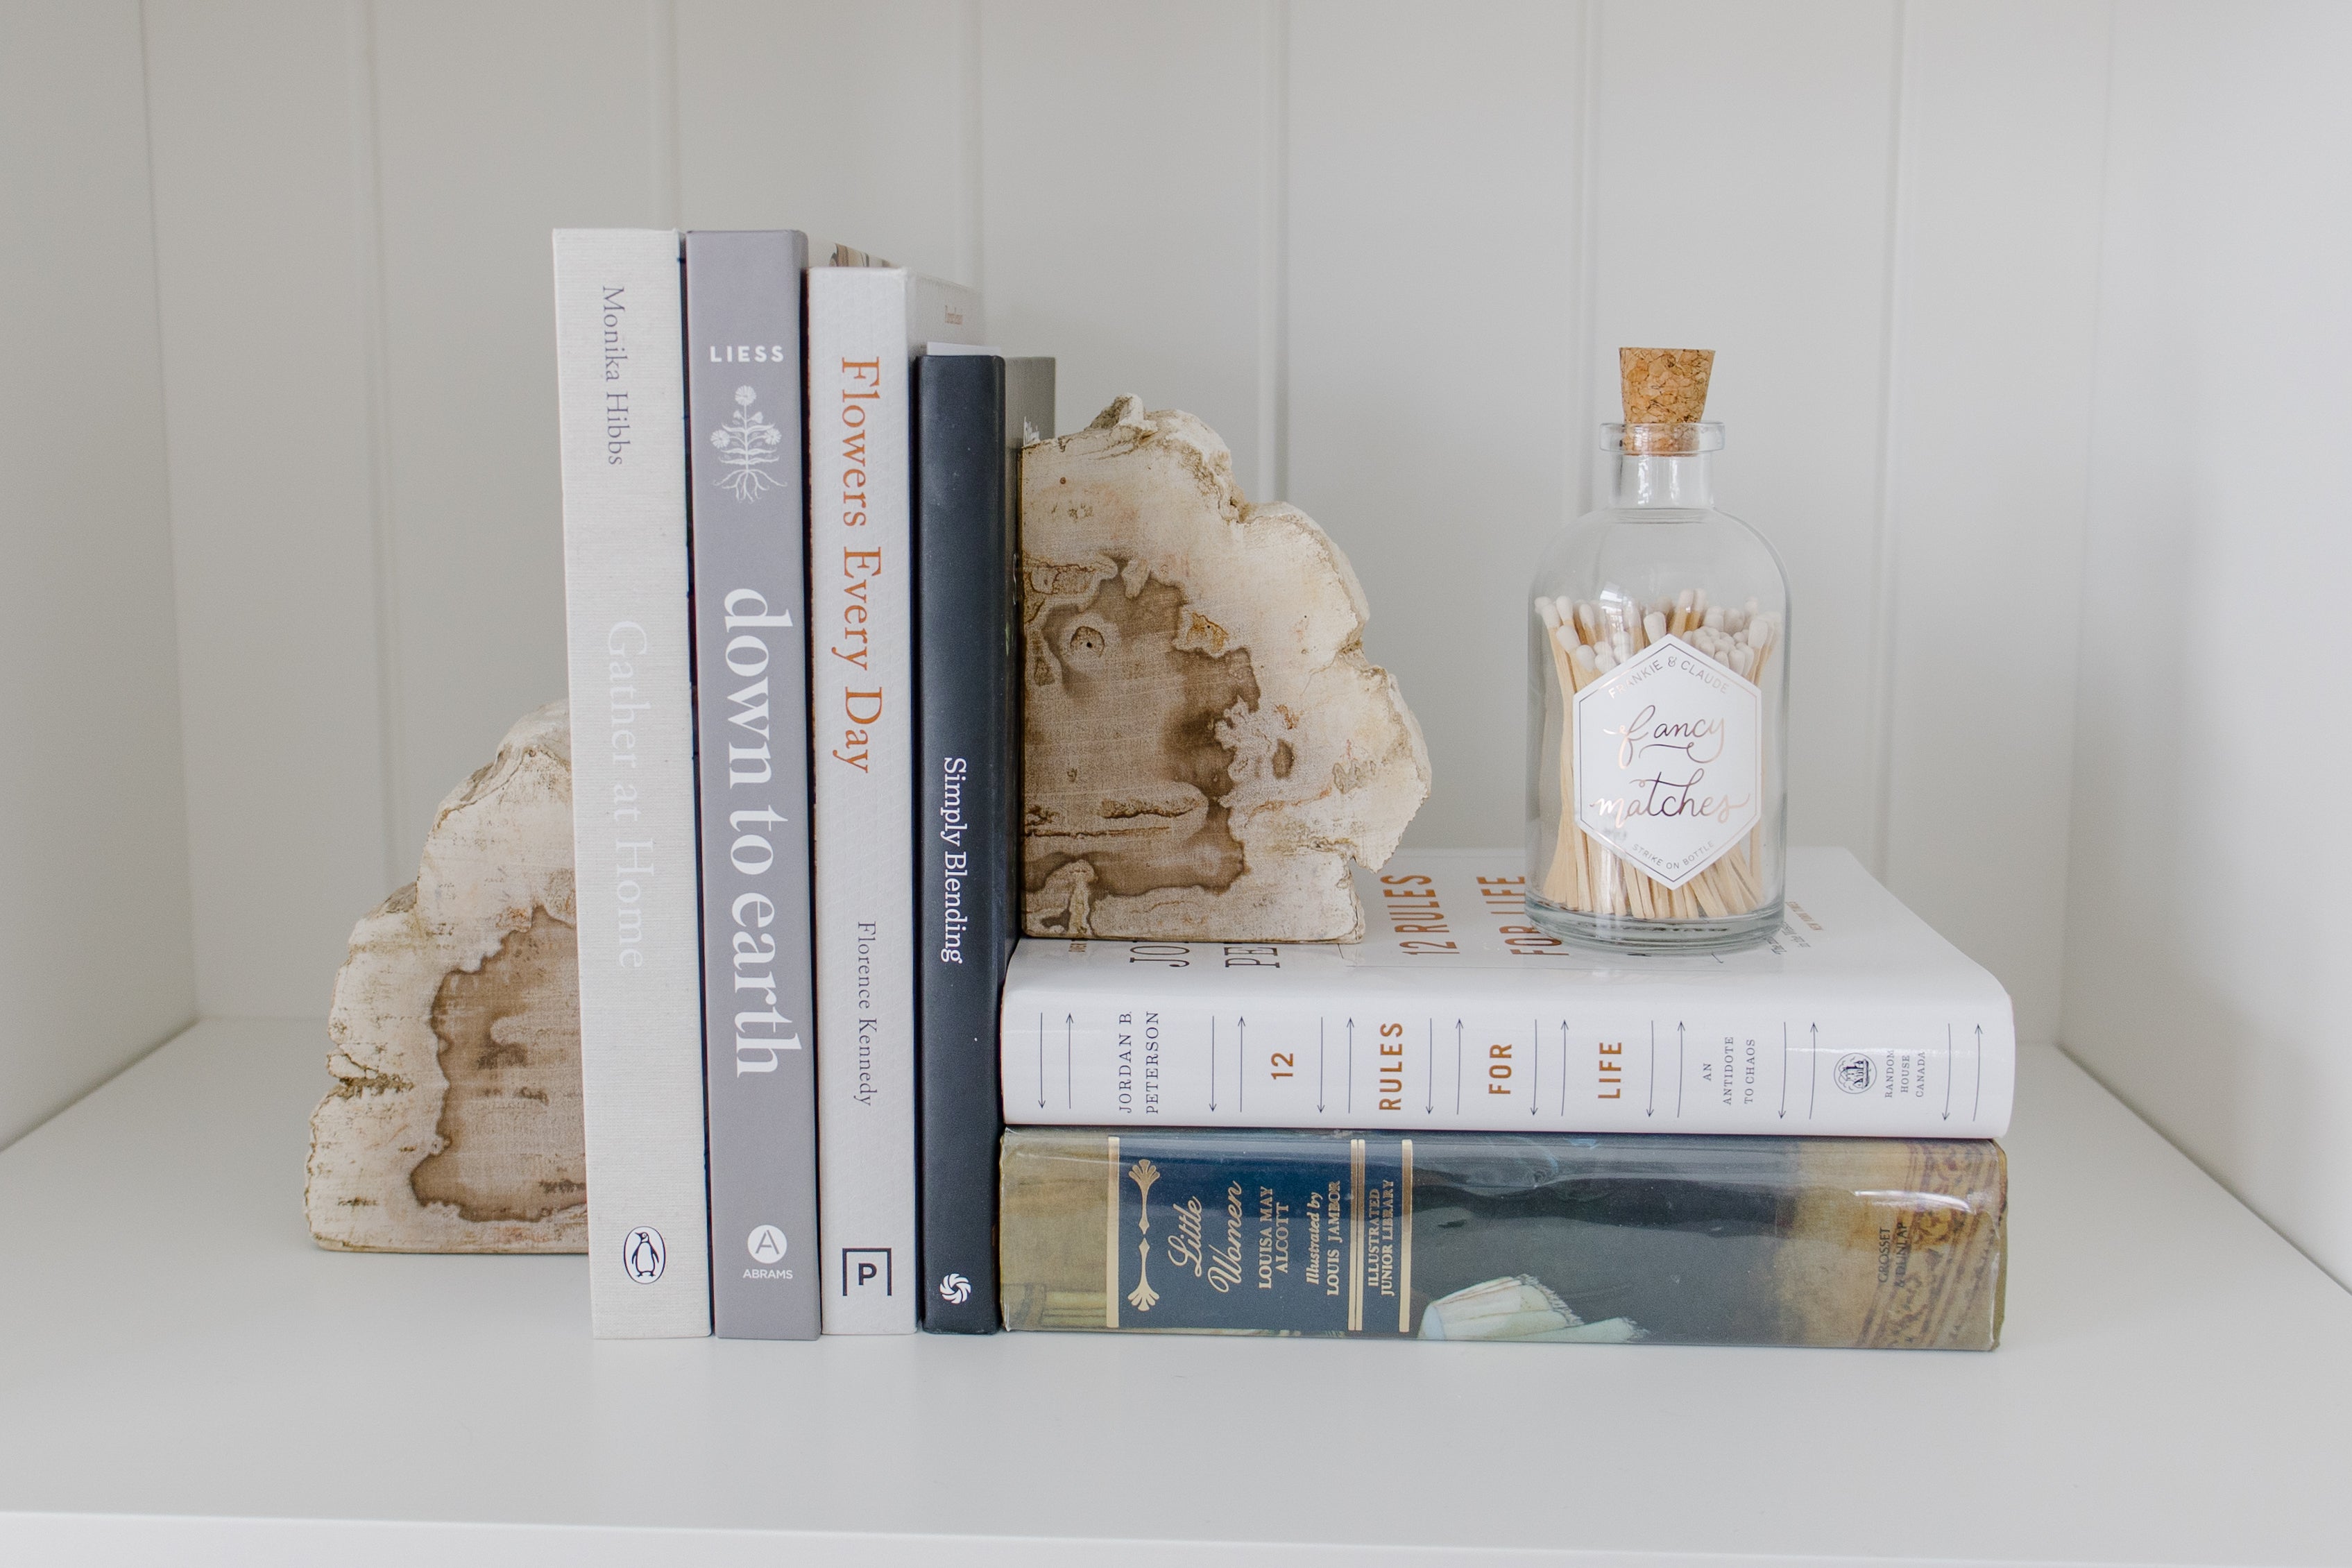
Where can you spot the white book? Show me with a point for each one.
(1456, 1012)
(620, 380)
(865, 326)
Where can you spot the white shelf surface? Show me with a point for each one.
(184, 1377)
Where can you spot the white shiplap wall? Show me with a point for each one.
(1974, 273)
(1386, 251)
(95, 963)
(2209, 928)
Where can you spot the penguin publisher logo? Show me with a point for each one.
(642, 1255)
(955, 1289)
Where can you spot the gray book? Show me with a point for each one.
(743, 373)
(623, 400)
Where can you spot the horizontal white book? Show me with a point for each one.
(1456, 1012)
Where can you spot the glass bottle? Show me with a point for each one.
(1658, 720)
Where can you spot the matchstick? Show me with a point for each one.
(1587, 639)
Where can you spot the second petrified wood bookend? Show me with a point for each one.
(1207, 748)
(455, 1122)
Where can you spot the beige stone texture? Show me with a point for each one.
(1207, 747)
(455, 1124)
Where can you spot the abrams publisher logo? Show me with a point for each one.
(765, 1244)
(642, 1255)
(955, 1289)
(1856, 1073)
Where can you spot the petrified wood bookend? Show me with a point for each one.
(1206, 746)
(455, 1124)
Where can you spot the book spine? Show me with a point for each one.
(1878, 1244)
(622, 397)
(971, 414)
(749, 510)
(1140, 1056)
(861, 712)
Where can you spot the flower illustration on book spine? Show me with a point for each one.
(747, 444)
(1143, 1173)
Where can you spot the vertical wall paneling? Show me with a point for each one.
(367, 248)
(494, 125)
(1740, 191)
(1431, 295)
(1272, 480)
(1879, 705)
(1582, 437)
(850, 121)
(1121, 149)
(1387, 252)
(1996, 275)
(95, 959)
(258, 212)
(2209, 932)
(970, 164)
(662, 120)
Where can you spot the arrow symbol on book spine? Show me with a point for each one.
(1681, 1067)
(1784, 1069)
(1978, 1108)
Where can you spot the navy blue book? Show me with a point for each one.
(972, 414)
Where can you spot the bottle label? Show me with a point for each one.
(1669, 758)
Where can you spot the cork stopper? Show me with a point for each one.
(1664, 388)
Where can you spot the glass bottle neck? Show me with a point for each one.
(1684, 480)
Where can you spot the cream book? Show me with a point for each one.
(865, 326)
(1457, 1012)
(621, 389)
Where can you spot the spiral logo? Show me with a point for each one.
(955, 1289)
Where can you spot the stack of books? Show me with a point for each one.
(1460, 1128)
(790, 533)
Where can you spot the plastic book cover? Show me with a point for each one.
(1867, 1244)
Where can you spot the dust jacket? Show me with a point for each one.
(865, 326)
(973, 413)
(622, 400)
(1456, 1011)
(751, 618)
(1855, 1243)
